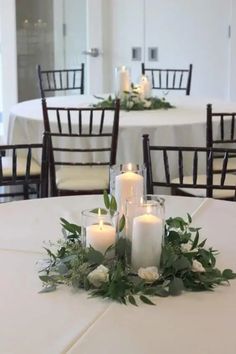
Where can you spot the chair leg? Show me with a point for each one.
(26, 192)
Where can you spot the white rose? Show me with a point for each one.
(197, 267)
(186, 247)
(147, 104)
(98, 276)
(149, 274)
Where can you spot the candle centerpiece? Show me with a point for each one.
(145, 87)
(127, 182)
(99, 229)
(122, 80)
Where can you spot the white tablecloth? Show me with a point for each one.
(183, 125)
(66, 321)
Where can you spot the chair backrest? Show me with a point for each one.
(195, 158)
(61, 80)
(18, 168)
(169, 79)
(221, 128)
(82, 137)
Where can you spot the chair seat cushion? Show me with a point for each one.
(218, 164)
(82, 178)
(35, 168)
(217, 193)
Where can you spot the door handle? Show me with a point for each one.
(93, 52)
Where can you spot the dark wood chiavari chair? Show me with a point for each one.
(61, 80)
(221, 131)
(169, 79)
(80, 152)
(19, 168)
(220, 186)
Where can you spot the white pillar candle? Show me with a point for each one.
(145, 87)
(128, 185)
(146, 241)
(100, 236)
(124, 80)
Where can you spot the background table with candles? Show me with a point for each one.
(68, 321)
(183, 125)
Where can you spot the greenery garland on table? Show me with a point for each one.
(132, 101)
(186, 265)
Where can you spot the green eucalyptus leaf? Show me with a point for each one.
(94, 256)
(106, 199)
(176, 286)
(146, 300)
(122, 223)
(48, 289)
(99, 211)
(113, 204)
(195, 241)
(132, 300)
(228, 274)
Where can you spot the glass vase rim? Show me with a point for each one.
(138, 167)
(90, 213)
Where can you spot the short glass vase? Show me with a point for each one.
(100, 230)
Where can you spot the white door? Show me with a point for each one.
(189, 31)
(78, 27)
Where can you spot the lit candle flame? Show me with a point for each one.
(129, 167)
(99, 212)
(149, 209)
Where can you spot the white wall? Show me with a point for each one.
(9, 68)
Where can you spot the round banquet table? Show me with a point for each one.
(67, 321)
(183, 125)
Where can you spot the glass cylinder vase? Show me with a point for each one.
(127, 182)
(122, 81)
(99, 229)
(145, 230)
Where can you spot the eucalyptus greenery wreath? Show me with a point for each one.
(186, 264)
(132, 101)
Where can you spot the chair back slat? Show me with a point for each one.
(195, 167)
(14, 165)
(102, 122)
(181, 172)
(174, 78)
(166, 165)
(224, 169)
(91, 122)
(222, 135)
(169, 79)
(232, 127)
(80, 122)
(69, 121)
(1, 172)
(181, 80)
(28, 164)
(58, 121)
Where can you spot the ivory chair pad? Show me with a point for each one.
(82, 177)
(218, 163)
(217, 193)
(35, 168)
